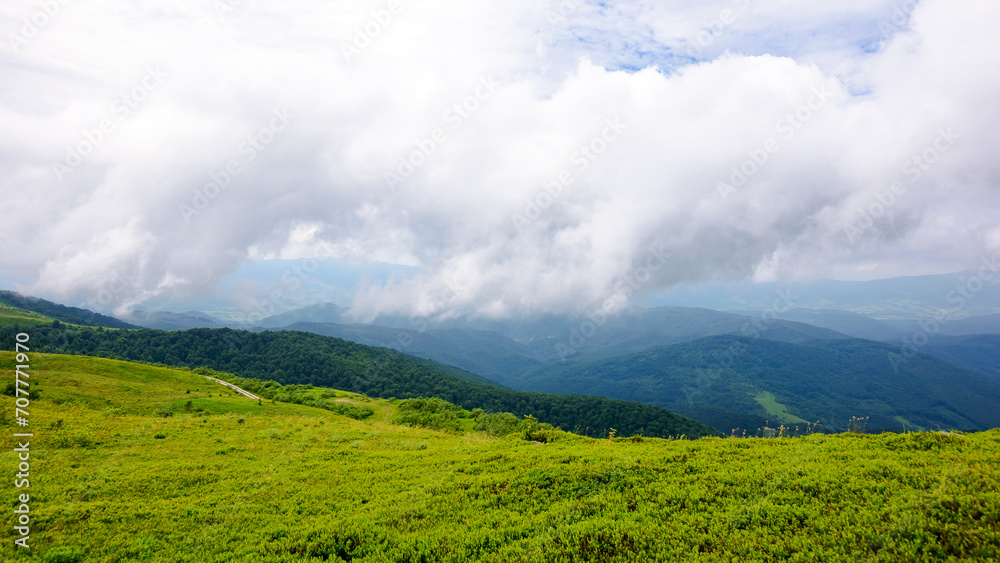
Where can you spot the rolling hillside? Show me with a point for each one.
(12, 316)
(72, 315)
(320, 313)
(758, 380)
(302, 358)
(844, 322)
(140, 463)
(979, 352)
(162, 320)
(983, 324)
(488, 354)
(502, 350)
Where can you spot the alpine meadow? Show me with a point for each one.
(529, 281)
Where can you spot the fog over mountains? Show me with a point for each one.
(760, 201)
(724, 369)
(598, 150)
(907, 352)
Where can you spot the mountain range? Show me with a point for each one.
(741, 368)
(961, 294)
(290, 357)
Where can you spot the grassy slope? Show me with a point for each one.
(10, 316)
(776, 410)
(72, 315)
(303, 358)
(294, 483)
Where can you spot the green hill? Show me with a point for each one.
(13, 316)
(980, 352)
(489, 354)
(733, 382)
(505, 349)
(114, 478)
(302, 358)
(72, 315)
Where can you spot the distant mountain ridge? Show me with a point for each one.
(165, 320)
(899, 298)
(319, 313)
(501, 349)
(844, 322)
(334, 281)
(484, 353)
(800, 371)
(304, 358)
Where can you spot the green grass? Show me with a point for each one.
(70, 315)
(10, 316)
(776, 410)
(120, 388)
(907, 424)
(113, 480)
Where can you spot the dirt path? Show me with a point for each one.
(231, 386)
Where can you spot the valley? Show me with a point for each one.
(731, 371)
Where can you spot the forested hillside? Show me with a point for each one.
(489, 354)
(303, 358)
(980, 352)
(731, 382)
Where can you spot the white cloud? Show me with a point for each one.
(320, 183)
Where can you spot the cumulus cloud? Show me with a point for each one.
(527, 156)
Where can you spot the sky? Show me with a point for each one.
(511, 158)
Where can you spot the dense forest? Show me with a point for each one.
(730, 381)
(303, 358)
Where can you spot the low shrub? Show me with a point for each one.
(429, 413)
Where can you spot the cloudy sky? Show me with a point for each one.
(522, 156)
